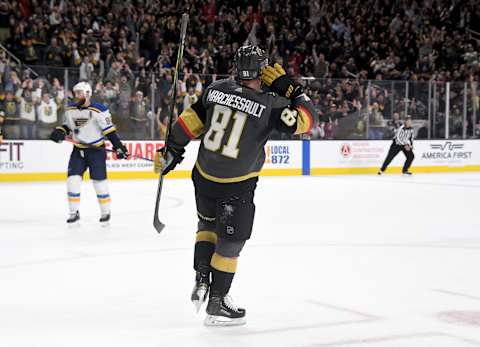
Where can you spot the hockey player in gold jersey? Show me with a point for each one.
(233, 119)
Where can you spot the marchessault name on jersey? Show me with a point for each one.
(237, 102)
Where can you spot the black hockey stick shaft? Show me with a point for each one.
(159, 226)
(108, 150)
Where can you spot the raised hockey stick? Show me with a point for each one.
(108, 150)
(183, 31)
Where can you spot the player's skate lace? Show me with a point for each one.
(229, 303)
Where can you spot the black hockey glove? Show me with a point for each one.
(58, 135)
(277, 79)
(121, 152)
(166, 162)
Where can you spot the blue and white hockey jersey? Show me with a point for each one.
(89, 125)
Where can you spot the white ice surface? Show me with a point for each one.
(333, 261)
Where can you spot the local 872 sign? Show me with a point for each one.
(283, 155)
(278, 154)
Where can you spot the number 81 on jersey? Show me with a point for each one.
(213, 138)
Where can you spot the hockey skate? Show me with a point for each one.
(222, 312)
(73, 218)
(200, 290)
(104, 220)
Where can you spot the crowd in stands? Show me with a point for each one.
(355, 58)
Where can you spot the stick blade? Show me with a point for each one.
(159, 226)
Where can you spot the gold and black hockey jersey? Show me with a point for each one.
(233, 123)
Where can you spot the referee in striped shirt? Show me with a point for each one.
(402, 141)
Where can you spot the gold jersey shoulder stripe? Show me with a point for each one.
(94, 109)
(304, 121)
(191, 123)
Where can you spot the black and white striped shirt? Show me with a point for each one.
(404, 136)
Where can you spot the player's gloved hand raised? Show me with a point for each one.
(166, 160)
(58, 135)
(277, 79)
(121, 152)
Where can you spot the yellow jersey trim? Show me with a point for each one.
(88, 108)
(304, 121)
(79, 145)
(225, 180)
(94, 109)
(109, 131)
(193, 124)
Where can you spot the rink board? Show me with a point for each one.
(363, 157)
(45, 160)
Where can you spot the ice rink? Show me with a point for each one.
(334, 261)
